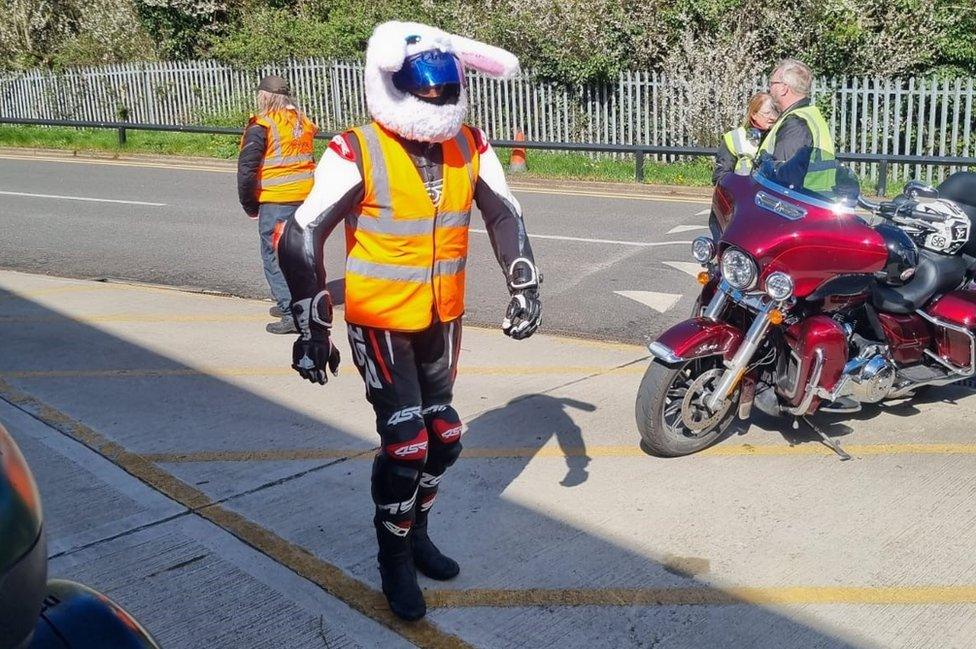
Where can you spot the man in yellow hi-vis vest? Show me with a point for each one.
(274, 175)
(403, 186)
(800, 141)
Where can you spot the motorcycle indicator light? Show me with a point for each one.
(738, 269)
(779, 286)
(776, 317)
(704, 277)
(702, 249)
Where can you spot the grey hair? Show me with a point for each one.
(270, 101)
(796, 75)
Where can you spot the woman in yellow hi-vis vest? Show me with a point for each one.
(739, 146)
(403, 186)
(274, 175)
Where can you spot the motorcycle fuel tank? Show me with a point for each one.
(811, 240)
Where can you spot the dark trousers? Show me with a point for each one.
(409, 380)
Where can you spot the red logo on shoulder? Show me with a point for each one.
(340, 146)
(480, 139)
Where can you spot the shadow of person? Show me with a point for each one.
(536, 418)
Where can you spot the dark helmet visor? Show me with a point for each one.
(428, 69)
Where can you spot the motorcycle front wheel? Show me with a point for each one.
(671, 415)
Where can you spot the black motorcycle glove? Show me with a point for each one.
(313, 353)
(524, 313)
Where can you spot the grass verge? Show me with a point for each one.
(541, 164)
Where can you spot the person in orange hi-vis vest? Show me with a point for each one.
(275, 169)
(403, 186)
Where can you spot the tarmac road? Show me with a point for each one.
(179, 223)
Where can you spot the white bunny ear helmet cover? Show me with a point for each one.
(405, 114)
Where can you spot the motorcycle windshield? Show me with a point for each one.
(811, 176)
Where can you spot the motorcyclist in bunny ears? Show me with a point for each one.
(403, 187)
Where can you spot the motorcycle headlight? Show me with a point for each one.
(779, 286)
(702, 249)
(738, 269)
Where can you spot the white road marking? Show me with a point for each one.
(689, 267)
(660, 302)
(686, 228)
(704, 212)
(83, 198)
(644, 244)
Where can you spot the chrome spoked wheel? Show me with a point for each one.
(671, 413)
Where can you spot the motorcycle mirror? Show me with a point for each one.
(918, 189)
(868, 205)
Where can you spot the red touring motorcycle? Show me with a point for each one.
(811, 304)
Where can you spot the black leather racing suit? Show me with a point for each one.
(409, 376)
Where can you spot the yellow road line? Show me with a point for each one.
(121, 163)
(267, 455)
(328, 576)
(53, 290)
(284, 370)
(699, 596)
(556, 452)
(136, 317)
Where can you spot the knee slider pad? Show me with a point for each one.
(394, 482)
(444, 423)
(405, 441)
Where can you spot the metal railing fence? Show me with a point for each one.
(920, 116)
(639, 151)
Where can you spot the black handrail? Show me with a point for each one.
(637, 150)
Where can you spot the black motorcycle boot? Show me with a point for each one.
(399, 576)
(428, 559)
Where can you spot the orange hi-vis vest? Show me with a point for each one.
(405, 256)
(289, 166)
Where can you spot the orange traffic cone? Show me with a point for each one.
(516, 163)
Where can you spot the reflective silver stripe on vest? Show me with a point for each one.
(388, 271)
(402, 227)
(380, 175)
(408, 227)
(450, 266)
(284, 180)
(742, 144)
(453, 219)
(275, 139)
(462, 144)
(288, 160)
(822, 165)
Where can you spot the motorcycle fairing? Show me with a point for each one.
(695, 338)
(804, 339)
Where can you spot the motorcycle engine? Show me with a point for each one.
(873, 380)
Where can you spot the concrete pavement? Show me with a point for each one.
(191, 475)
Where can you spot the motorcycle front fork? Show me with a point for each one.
(736, 367)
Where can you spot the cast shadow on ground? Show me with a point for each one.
(543, 417)
(175, 412)
(840, 425)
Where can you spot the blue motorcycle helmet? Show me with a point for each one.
(432, 76)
